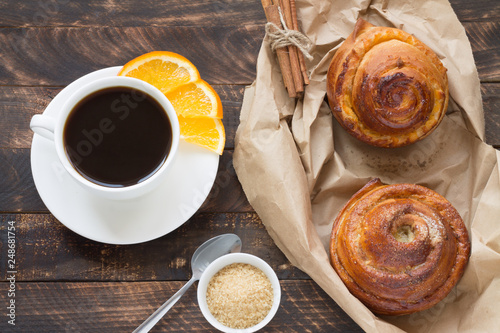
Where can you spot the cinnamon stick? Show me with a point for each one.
(295, 26)
(292, 49)
(273, 16)
(265, 4)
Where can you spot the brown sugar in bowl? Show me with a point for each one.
(239, 306)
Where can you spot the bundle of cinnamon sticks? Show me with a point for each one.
(290, 58)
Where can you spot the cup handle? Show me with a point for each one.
(43, 125)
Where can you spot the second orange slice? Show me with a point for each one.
(196, 99)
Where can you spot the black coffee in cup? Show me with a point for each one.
(117, 136)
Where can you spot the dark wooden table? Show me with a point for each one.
(67, 283)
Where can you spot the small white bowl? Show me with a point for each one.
(222, 262)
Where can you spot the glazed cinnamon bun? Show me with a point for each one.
(399, 248)
(385, 87)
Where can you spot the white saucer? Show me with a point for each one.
(121, 222)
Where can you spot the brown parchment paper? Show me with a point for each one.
(298, 167)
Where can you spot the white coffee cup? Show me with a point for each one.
(53, 129)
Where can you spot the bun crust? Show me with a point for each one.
(385, 87)
(399, 248)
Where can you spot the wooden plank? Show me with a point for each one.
(227, 194)
(101, 307)
(223, 54)
(131, 13)
(19, 103)
(233, 63)
(17, 106)
(480, 10)
(491, 102)
(17, 189)
(56, 13)
(485, 42)
(18, 192)
(48, 251)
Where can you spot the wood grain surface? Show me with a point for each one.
(19, 103)
(230, 61)
(54, 253)
(87, 49)
(178, 13)
(122, 306)
(19, 193)
(66, 283)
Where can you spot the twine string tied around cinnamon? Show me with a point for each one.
(279, 38)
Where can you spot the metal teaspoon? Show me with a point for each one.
(207, 252)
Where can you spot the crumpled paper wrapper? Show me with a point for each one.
(298, 167)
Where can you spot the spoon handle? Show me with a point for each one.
(162, 310)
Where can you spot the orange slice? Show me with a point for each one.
(164, 70)
(203, 131)
(196, 99)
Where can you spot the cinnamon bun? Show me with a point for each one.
(385, 87)
(399, 248)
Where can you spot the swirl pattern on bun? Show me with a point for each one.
(385, 87)
(399, 248)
